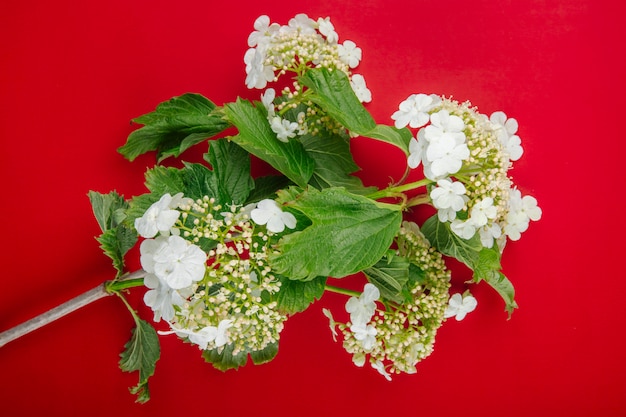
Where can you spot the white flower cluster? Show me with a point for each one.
(467, 156)
(397, 337)
(223, 295)
(302, 44)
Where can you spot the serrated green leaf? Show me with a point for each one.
(488, 261)
(104, 208)
(498, 281)
(260, 357)
(115, 243)
(297, 296)
(333, 163)
(266, 187)
(348, 234)
(256, 137)
(447, 242)
(175, 126)
(390, 275)
(334, 94)
(141, 354)
(223, 358)
(231, 167)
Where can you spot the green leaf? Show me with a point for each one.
(447, 242)
(504, 287)
(104, 208)
(335, 95)
(175, 126)
(348, 234)
(223, 358)
(488, 261)
(115, 243)
(141, 354)
(266, 187)
(333, 163)
(256, 137)
(116, 238)
(231, 168)
(297, 296)
(260, 357)
(390, 275)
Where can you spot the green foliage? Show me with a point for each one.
(334, 94)
(333, 163)
(390, 275)
(175, 126)
(141, 353)
(296, 296)
(231, 171)
(485, 262)
(348, 234)
(256, 136)
(116, 238)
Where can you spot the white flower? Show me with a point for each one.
(459, 306)
(483, 211)
(159, 217)
(446, 156)
(463, 228)
(447, 123)
(366, 334)
(267, 98)
(258, 74)
(263, 32)
(206, 335)
(268, 212)
(360, 89)
(416, 150)
(449, 194)
(331, 322)
(378, 365)
(283, 128)
(349, 53)
(362, 308)
(414, 110)
(174, 260)
(488, 233)
(161, 298)
(303, 23)
(327, 29)
(506, 130)
(521, 211)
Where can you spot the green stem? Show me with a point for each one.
(343, 291)
(417, 200)
(393, 191)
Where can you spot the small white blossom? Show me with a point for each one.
(521, 211)
(446, 156)
(327, 29)
(303, 23)
(350, 54)
(263, 31)
(483, 211)
(366, 334)
(449, 194)
(506, 130)
(161, 298)
(268, 212)
(463, 228)
(160, 217)
(488, 233)
(174, 260)
(459, 306)
(362, 308)
(205, 335)
(283, 128)
(378, 365)
(258, 74)
(357, 83)
(414, 110)
(267, 98)
(416, 150)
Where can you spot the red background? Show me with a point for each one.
(72, 75)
